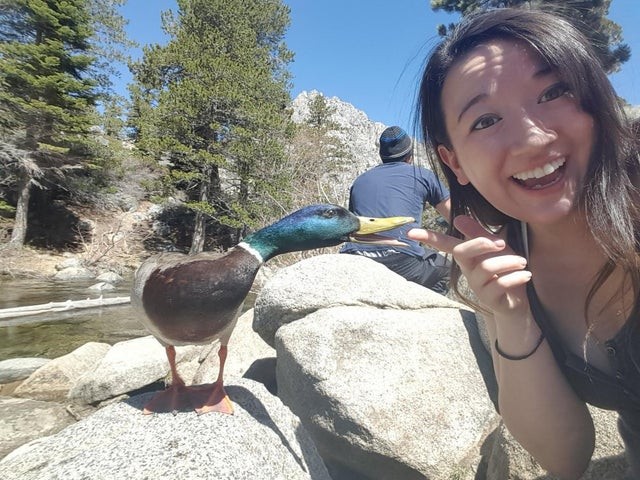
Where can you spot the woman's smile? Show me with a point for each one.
(541, 177)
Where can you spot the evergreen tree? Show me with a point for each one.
(210, 107)
(320, 113)
(48, 90)
(588, 15)
(318, 156)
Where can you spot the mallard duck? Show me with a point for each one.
(185, 300)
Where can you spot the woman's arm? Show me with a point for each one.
(536, 402)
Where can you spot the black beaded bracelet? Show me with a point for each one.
(519, 357)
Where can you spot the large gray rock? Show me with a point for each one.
(331, 359)
(262, 440)
(74, 273)
(507, 459)
(387, 393)
(53, 380)
(109, 277)
(22, 420)
(332, 280)
(15, 369)
(128, 366)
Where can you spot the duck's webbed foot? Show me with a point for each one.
(174, 399)
(210, 397)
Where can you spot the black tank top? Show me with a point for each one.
(620, 392)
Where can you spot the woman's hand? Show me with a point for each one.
(494, 272)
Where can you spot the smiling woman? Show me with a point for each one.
(513, 122)
(543, 169)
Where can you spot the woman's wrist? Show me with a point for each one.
(517, 338)
(524, 356)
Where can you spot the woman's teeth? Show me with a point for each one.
(540, 172)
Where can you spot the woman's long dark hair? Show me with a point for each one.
(610, 197)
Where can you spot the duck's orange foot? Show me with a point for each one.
(174, 399)
(210, 397)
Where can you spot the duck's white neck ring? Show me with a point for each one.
(252, 251)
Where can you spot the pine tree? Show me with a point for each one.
(210, 106)
(49, 86)
(588, 15)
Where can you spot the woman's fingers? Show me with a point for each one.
(468, 226)
(493, 271)
(505, 291)
(499, 266)
(439, 241)
(471, 228)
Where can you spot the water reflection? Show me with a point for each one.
(51, 335)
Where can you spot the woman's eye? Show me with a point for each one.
(485, 122)
(555, 91)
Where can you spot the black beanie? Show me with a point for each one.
(394, 144)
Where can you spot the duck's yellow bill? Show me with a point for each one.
(369, 226)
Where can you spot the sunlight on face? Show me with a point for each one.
(517, 132)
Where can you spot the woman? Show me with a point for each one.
(543, 172)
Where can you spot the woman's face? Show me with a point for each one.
(517, 133)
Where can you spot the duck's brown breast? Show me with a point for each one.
(194, 300)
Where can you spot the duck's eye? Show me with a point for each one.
(332, 212)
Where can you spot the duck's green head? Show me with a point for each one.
(323, 225)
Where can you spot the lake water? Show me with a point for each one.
(51, 335)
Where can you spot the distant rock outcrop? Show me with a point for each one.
(355, 130)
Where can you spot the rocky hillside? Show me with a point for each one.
(357, 133)
(355, 129)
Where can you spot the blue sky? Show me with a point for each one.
(370, 52)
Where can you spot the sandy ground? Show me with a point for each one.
(116, 245)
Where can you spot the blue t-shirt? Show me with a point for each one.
(395, 189)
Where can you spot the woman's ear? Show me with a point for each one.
(451, 160)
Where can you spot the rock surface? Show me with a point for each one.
(262, 440)
(22, 420)
(53, 380)
(326, 281)
(245, 348)
(15, 369)
(127, 366)
(386, 393)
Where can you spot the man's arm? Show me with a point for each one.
(444, 209)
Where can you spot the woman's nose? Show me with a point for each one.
(530, 134)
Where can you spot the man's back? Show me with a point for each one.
(395, 189)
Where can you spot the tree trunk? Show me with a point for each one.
(19, 232)
(197, 242)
